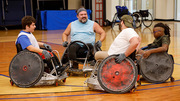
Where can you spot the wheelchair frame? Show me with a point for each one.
(139, 17)
(27, 67)
(86, 66)
(97, 79)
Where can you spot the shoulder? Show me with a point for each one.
(23, 36)
(90, 21)
(165, 38)
(130, 31)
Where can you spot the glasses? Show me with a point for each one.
(156, 31)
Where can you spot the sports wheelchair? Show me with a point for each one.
(143, 16)
(112, 77)
(86, 58)
(29, 69)
(121, 78)
(123, 10)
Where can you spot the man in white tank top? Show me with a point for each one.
(83, 30)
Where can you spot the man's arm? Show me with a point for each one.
(164, 48)
(40, 44)
(100, 31)
(134, 42)
(66, 33)
(34, 49)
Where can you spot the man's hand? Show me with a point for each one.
(46, 54)
(146, 54)
(120, 58)
(99, 43)
(48, 47)
(65, 44)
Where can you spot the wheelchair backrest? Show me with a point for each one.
(18, 48)
(144, 13)
(122, 10)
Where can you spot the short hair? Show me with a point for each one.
(165, 27)
(80, 9)
(27, 20)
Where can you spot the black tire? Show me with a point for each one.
(26, 69)
(147, 21)
(117, 78)
(114, 20)
(157, 68)
(137, 19)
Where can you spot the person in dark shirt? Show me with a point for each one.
(160, 44)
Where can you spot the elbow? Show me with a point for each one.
(30, 49)
(136, 43)
(164, 49)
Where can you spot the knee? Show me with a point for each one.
(101, 55)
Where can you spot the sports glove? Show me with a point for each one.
(99, 43)
(46, 54)
(48, 47)
(65, 44)
(120, 58)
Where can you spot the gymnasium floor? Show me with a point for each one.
(74, 87)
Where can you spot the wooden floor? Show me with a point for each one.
(74, 88)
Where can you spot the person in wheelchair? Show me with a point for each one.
(125, 44)
(160, 44)
(83, 30)
(27, 41)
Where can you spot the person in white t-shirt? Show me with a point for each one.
(124, 44)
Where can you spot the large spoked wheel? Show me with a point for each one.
(117, 78)
(65, 58)
(147, 21)
(114, 20)
(26, 69)
(157, 68)
(137, 19)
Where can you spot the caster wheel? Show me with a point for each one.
(68, 74)
(11, 82)
(64, 80)
(172, 79)
(85, 75)
(56, 83)
(139, 83)
(133, 90)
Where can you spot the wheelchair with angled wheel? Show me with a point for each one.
(28, 69)
(121, 78)
(114, 77)
(85, 57)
